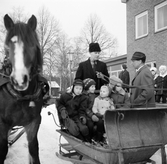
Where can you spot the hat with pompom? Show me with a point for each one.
(88, 82)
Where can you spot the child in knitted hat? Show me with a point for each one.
(118, 94)
(89, 91)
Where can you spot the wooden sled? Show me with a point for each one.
(133, 135)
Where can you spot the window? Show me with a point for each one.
(115, 73)
(141, 23)
(161, 16)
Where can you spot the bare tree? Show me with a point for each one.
(94, 31)
(62, 61)
(48, 32)
(78, 51)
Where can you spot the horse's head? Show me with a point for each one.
(23, 51)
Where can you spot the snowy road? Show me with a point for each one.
(48, 143)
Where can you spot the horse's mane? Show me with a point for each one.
(29, 37)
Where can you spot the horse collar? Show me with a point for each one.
(30, 98)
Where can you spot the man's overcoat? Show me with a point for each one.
(142, 95)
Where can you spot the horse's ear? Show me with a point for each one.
(32, 22)
(8, 22)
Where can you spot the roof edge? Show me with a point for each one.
(124, 1)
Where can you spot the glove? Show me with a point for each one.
(99, 115)
(100, 75)
(83, 120)
(64, 114)
(95, 118)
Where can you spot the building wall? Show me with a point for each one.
(154, 45)
(114, 64)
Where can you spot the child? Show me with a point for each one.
(102, 103)
(118, 94)
(89, 87)
(72, 107)
(89, 91)
(161, 82)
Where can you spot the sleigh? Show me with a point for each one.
(133, 136)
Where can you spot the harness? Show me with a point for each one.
(41, 89)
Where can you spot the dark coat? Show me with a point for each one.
(143, 94)
(120, 100)
(85, 70)
(124, 76)
(75, 106)
(91, 97)
(161, 85)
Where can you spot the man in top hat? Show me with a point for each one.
(93, 68)
(142, 95)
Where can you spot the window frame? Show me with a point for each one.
(136, 24)
(155, 16)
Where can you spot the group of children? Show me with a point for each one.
(82, 110)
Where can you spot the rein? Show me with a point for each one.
(129, 86)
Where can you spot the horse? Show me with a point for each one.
(22, 92)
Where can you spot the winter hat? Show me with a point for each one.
(88, 82)
(77, 82)
(139, 56)
(153, 69)
(94, 47)
(115, 80)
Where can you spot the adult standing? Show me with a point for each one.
(93, 68)
(156, 79)
(124, 76)
(142, 95)
(161, 82)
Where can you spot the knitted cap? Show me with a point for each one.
(94, 47)
(115, 80)
(88, 82)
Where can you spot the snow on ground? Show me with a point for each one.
(48, 143)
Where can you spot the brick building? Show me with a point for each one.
(114, 64)
(147, 30)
